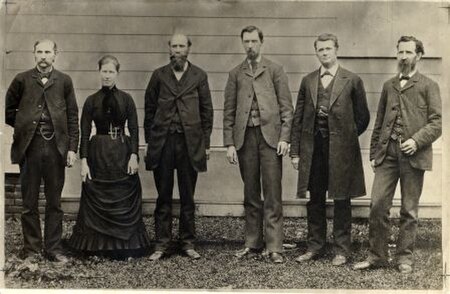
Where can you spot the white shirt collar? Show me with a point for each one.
(331, 70)
(410, 74)
(258, 59)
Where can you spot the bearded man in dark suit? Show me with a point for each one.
(42, 109)
(409, 120)
(178, 125)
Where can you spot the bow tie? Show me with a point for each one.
(326, 73)
(44, 75)
(406, 78)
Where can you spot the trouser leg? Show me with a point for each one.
(271, 172)
(411, 183)
(386, 177)
(30, 181)
(187, 179)
(342, 227)
(163, 176)
(249, 165)
(53, 173)
(316, 206)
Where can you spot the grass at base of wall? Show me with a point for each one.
(218, 239)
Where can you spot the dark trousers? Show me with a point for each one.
(316, 206)
(258, 161)
(175, 156)
(42, 161)
(394, 167)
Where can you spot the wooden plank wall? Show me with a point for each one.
(137, 33)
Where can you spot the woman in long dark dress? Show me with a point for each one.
(110, 215)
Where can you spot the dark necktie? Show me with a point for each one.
(44, 77)
(406, 78)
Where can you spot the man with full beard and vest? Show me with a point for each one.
(178, 124)
(408, 122)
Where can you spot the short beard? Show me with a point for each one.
(405, 67)
(251, 55)
(178, 62)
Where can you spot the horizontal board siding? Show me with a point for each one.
(137, 33)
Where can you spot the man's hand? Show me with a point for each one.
(295, 161)
(232, 155)
(71, 157)
(207, 154)
(282, 148)
(133, 165)
(85, 173)
(409, 147)
(372, 164)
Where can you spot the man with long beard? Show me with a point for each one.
(178, 125)
(256, 127)
(408, 122)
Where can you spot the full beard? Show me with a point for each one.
(178, 62)
(405, 66)
(251, 55)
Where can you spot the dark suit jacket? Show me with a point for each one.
(192, 98)
(420, 104)
(271, 87)
(24, 106)
(348, 117)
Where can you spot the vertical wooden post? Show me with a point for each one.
(3, 9)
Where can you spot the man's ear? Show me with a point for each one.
(419, 56)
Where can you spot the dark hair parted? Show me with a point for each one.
(55, 47)
(249, 29)
(419, 44)
(327, 37)
(109, 59)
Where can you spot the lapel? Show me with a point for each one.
(262, 66)
(245, 68)
(340, 81)
(411, 82)
(50, 82)
(313, 86)
(185, 84)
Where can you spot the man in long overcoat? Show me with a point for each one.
(409, 120)
(256, 126)
(331, 113)
(178, 125)
(42, 109)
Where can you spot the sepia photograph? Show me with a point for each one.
(224, 145)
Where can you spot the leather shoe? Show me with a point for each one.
(192, 253)
(246, 251)
(59, 257)
(366, 264)
(309, 255)
(157, 255)
(405, 268)
(339, 260)
(276, 257)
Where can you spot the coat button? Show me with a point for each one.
(385, 141)
(34, 122)
(39, 106)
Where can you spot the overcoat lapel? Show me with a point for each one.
(313, 87)
(339, 83)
